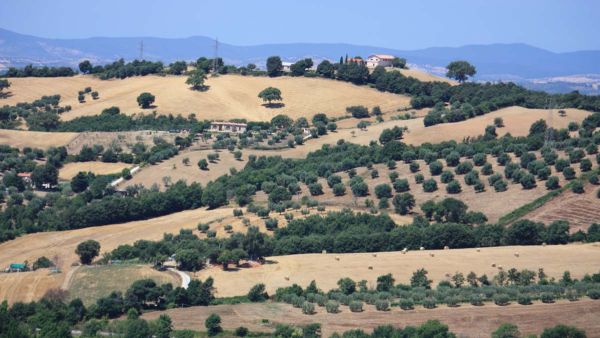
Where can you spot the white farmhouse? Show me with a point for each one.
(228, 127)
(287, 66)
(380, 60)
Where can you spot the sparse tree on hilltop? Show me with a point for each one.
(274, 66)
(87, 251)
(460, 70)
(145, 100)
(196, 79)
(270, 94)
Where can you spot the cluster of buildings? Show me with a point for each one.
(372, 61)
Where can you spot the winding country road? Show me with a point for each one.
(185, 278)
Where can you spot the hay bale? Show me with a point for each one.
(422, 248)
(493, 265)
(286, 277)
(374, 255)
(446, 247)
(544, 244)
(499, 267)
(431, 254)
(516, 254)
(478, 250)
(324, 252)
(370, 267)
(337, 258)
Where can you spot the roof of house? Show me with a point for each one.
(17, 266)
(383, 56)
(24, 174)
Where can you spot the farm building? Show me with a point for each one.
(287, 66)
(26, 177)
(380, 60)
(357, 59)
(227, 127)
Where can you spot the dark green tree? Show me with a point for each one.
(145, 100)
(274, 66)
(87, 251)
(460, 70)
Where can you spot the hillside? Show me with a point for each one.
(229, 96)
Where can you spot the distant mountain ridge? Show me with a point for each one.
(513, 62)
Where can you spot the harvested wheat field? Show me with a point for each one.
(579, 259)
(89, 283)
(69, 170)
(580, 210)
(423, 76)
(28, 286)
(35, 139)
(465, 321)
(229, 96)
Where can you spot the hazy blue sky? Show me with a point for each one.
(552, 24)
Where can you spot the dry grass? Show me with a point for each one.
(89, 283)
(465, 321)
(35, 139)
(423, 75)
(229, 96)
(28, 286)
(579, 259)
(69, 170)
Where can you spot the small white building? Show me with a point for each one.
(227, 127)
(380, 60)
(287, 66)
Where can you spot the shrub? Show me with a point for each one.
(452, 301)
(524, 299)
(356, 306)
(339, 189)
(374, 173)
(308, 308)
(419, 178)
(382, 305)
(593, 179)
(401, 185)
(430, 185)
(429, 303)
(479, 187)
(332, 306)
(257, 293)
(464, 168)
(241, 331)
(447, 176)
(547, 297)
(453, 187)
(479, 159)
(393, 176)
(383, 190)
(271, 223)
(414, 167)
(552, 183)
(528, 181)
(435, 168)
(315, 189)
(238, 212)
(476, 300)
(594, 293)
(585, 165)
(577, 187)
(569, 173)
(501, 299)
(572, 295)
(407, 304)
(500, 186)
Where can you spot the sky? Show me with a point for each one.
(556, 25)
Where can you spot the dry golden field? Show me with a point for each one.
(89, 283)
(27, 286)
(423, 75)
(579, 259)
(465, 321)
(35, 139)
(69, 170)
(229, 96)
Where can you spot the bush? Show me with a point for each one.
(476, 300)
(552, 183)
(528, 181)
(356, 306)
(401, 185)
(383, 190)
(577, 187)
(452, 301)
(569, 173)
(339, 189)
(435, 168)
(563, 331)
(419, 178)
(500, 186)
(453, 187)
(382, 305)
(308, 308)
(429, 303)
(332, 306)
(524, 299)
(501, 299)
(238, 212)
(594, 293)
(414, 167)
(241, 331)
(358, 112)
(257, 293)
(547, 297)
(430, 185)
(407, 304)
(447, 176)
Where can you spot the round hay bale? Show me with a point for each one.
(286, 277)
(324, 252)
(370, 267)
(432, 254)
(446, 247)
(544, 244)
(374, 255)
(499, 267)
(422, 248)
(516, 254)
(478, 250)
(337, 258)
(493, 265)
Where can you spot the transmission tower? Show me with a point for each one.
(141, 50)
(215, 62)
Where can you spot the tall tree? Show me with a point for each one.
(87, 251)
(270, 94)
(196, 79)
(460, 70)
(274, 66)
